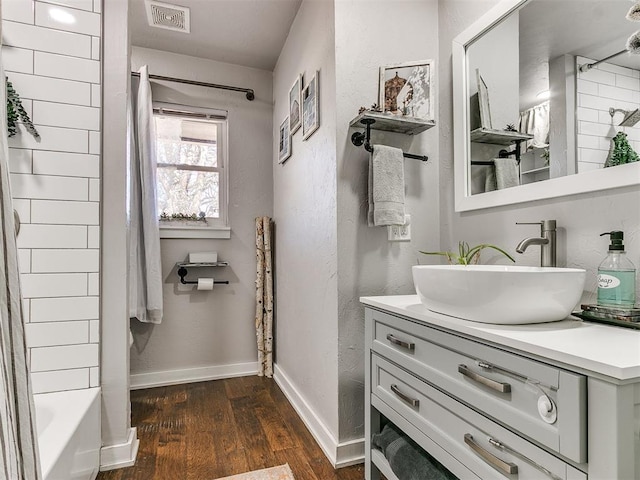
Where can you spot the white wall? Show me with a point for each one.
(207, 335)
(55, 68)
(367, 263)
(581, 218)
(306, 229)
(326, 255)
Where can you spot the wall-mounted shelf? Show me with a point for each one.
(203, 264)
(182, 271)
(535, 170)
(393, 123)
(498, 137)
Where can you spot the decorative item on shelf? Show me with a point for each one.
(284, 142)
(546, 156)
(468, 255)
(183, 217)
(310, 107)
(16, 113)
(480, 114)
(510, 128)
(295, 106)
(406, 89)
(374, 108)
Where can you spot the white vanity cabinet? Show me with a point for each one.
(558, 400)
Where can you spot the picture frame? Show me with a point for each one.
(407, 89)
(483, 102)
(284, 141)
(310, 110)
(295, 106)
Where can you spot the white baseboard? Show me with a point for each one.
(339, 454)
(349, 453)
(189, 375)
(121, 455)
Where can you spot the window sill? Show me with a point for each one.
(186, 231)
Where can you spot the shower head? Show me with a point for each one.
(630, 118)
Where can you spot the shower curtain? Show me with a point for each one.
(535, 121)
(18, 441)
(145, 271)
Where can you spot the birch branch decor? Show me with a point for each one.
(264, 297)
(268, 299)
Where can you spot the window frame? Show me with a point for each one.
(215, 227)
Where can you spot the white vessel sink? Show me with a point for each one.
(499, 294)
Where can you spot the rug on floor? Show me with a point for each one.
(283, 472)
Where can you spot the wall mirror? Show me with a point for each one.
(546, 98)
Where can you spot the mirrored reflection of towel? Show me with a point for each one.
(386, 186)
(507, 174)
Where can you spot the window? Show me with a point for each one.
(191, 171)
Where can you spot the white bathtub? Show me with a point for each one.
(69, 434)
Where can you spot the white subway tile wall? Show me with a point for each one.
(603, 87)
(55, 67)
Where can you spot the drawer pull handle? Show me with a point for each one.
(401, 343)
(411, 401)
(491, 459)
(498, 386)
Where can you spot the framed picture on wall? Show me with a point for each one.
(295, 105)
(284, 142)
(483, 102)
(407, 89)
(310, 111)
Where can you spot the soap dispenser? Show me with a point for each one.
(616, 275)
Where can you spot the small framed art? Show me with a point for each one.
(284, 148)
(295, 105)
(407, 89)
(310, 113)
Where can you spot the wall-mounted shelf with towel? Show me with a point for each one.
(393, 123)
(182, 271)
(383, 122)
(499, 137)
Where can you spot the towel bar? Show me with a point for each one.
(362, 138)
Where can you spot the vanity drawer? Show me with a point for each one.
(507, 387)
(481, 445)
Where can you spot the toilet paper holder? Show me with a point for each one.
(182, 272)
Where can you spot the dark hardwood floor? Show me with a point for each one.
(207, 430)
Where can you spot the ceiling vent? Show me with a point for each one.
(165, 15)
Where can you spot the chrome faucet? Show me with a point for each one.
(547, 242)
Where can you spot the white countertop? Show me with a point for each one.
(604, 349)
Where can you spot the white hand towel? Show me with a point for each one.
(386, 186)
(507, 174)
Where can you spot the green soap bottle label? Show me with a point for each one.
(617, 287)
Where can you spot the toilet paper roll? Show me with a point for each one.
(205, 284)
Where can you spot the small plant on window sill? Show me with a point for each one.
(183, 217)
(16, 113)
(468, 255)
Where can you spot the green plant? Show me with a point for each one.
(192, 217)
(468, 255)
(16, 112)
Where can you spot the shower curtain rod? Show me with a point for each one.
(248, 91)
(588, 66)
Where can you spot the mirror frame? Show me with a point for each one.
(595, 180)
